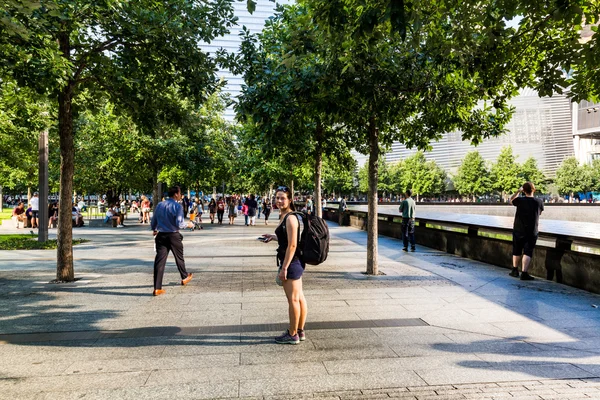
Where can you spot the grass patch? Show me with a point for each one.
(29, 242)
(6, 214)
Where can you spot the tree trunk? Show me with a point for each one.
(318, 168)
(156, 195)
(64, 256)
(372, 265)
(292, 188)
(1, 200)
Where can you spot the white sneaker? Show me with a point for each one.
(120, 226)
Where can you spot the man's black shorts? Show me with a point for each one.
(34, 213)
(524, 244)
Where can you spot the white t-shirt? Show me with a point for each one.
(35, 203)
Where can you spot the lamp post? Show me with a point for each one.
(43, 185)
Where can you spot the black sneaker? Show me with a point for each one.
(526, 277)
(514, 272)
(413, 249)
(405, 249)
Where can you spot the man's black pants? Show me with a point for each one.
(166, 241)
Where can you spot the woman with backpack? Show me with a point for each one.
(212, 209)
(290, 266)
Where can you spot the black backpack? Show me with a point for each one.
(313, 245)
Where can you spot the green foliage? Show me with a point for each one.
(572, 177)
(337, 176)
(529, 171)
(506, 173)
(287, 97)
(595, 175)
(386, 179)
(29, 242)
(472, 178)
(23, 116)
(107, 152)
(425, 178)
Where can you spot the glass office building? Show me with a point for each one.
(231, 42)
(540, 127)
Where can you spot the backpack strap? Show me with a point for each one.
(298, 215)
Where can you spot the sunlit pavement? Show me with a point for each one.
(435, 326)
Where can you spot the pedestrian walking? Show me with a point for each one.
(196, 213)
(166, 223)
(290, 266)
(231, 210)
(212, 209)
(407, 209)
(342, 207)
(35, 209)
(309, 205)
(185, 202)
(145, 210)
(260, 206)
(220, 210)
(525, 229)
(252, 206)
(245, 212)
(267, 209)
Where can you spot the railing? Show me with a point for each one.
(566, 251)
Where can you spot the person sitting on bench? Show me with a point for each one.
(113, 214)
(18, 215)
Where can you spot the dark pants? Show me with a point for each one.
(220, 216)
(166, 241)
(408, 232)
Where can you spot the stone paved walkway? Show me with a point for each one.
(435, 326)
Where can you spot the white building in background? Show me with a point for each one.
(545, 128)
(255, 23)
(586, 131)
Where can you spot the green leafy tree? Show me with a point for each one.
(572, 178)
(386, 183)
(337, 177)
(472, 178)
(595, 175)
(23, 116)
(529, 171)
(60, 47)
(506, 173)
(421, 176)
(288, 93)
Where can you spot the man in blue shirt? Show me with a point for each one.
(166, 223)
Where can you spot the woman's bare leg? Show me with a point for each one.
(292, 291)
(303, 307)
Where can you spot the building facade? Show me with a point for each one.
(231, 42)
(540, 127)
(586, 131)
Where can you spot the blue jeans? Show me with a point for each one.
(408, 232)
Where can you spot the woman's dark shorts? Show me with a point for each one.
(524, 244)
(295, 269)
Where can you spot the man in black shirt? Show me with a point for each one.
(525, 228)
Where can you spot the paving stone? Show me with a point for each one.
(488, 340)
(175, 392)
